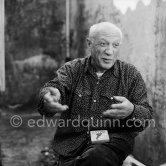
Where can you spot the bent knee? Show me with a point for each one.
(101, 155)
(97, 152)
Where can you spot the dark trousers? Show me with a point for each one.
(105, 154)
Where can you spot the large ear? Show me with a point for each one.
(89, 43)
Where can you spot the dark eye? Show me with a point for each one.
(115, 45)
(102, 44)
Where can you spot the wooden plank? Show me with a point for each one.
(2, 47)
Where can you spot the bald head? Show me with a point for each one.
(104, 28)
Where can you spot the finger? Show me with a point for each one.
(110, 113)
(55, 92)
(119, 98)
(56, 110)
(55, 98)
(57, 106)
(117, 106)
(113, 114)
(47, 98)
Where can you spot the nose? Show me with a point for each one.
(109, 50)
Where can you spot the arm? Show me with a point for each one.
(135, 109)
(62, 84)
(138, 96)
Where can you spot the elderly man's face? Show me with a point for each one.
(104, 48)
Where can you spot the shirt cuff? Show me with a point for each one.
(136, 117)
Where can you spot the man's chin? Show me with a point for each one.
(107, 66)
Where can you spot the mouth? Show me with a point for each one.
(107, 60)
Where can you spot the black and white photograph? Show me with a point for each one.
(82, 82)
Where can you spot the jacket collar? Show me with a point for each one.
(114, 69)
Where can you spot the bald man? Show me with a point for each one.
(101, 103)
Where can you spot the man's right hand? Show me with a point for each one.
(51, 101)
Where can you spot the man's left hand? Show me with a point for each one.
(120, 110)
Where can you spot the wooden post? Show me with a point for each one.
(67, 30)
(2, 47)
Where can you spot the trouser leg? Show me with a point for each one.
(97, 155)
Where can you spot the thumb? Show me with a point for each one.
(55, 92)
(119, 98)
(47, 97)
(56, 98)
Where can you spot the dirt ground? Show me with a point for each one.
(21, 146)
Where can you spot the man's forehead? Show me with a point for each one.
(108, 35)
(105, 29)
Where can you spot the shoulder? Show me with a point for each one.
(76, 62)
(130, 75)
(128, 69)
(73, 66)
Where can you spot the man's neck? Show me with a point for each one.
(96, 67)
(99, 75)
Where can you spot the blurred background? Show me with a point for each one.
(40, 35)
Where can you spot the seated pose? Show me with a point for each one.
(101, 103)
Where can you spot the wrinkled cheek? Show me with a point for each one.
(97, 57)
(97, 53)
(115, 54)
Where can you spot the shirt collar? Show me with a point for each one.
(114, 69)
(87, 63)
